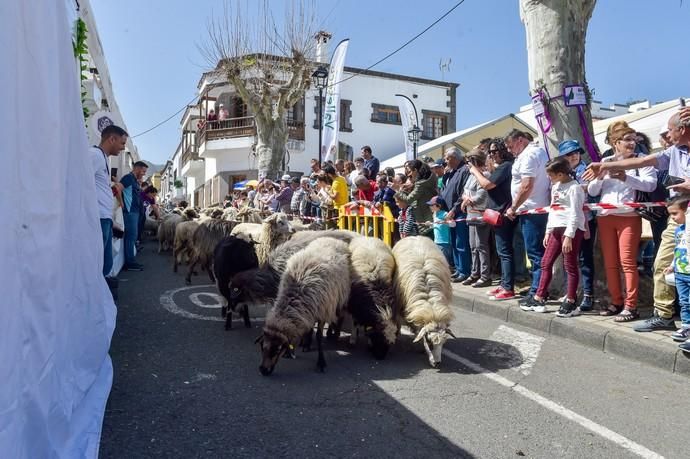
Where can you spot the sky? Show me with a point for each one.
(636, 49)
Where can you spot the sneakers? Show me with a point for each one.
(526, 299)
(503, 295)
(681, 335)
(685, 347)
(534, 305)
(567, 309)
(587, 304)
(655, 323)
(134, 267)
(481, 283)
(494, 291)
(469, 281)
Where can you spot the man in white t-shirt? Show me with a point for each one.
(113, 140)
(530, 188)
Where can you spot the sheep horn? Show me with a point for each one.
(450, 332)
(259, 339)
(420, 335)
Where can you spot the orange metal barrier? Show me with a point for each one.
(369, 222)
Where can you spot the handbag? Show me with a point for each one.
(492, 217)
(660, 193)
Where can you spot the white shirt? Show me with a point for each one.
(531, 163)
(571, 196)
(614, 191)
(101, 169)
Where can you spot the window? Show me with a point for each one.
(345, 114)
(435, 124)
(389, 114)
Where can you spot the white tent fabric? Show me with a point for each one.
(57, 316)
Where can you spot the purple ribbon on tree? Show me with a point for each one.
(591, 148)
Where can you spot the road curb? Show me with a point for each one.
(659, 354)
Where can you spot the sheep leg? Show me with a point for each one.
(175, 255)
(245, 316)
(228, 321)
(306, 341)
(209, 270)
(321, 362)
(188, 278)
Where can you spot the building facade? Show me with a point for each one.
(213, 155)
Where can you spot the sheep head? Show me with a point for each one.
(274, 344)
(280, 223)
(383, 334)
(434, 336)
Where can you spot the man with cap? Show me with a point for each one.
(438, 167)
(676, 160)
(284, 196)
(452, 190)
(572, 151)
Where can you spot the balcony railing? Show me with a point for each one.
(242, 127)
(190, 154)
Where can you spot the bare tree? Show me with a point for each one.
(269, 68)
(556, 31)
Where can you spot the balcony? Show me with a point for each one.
(190, 154)
(228, 129)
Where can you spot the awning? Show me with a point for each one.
(465, 139)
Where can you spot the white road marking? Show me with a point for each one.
(168, 303)
(588, 424)
(219, 301)
(527, 344)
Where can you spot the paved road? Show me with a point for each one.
(184, 387)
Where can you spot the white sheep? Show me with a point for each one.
(372, 299)
(183, 242)
(274, 230)
(249, 215)
(167, 225)
(423, 288)
(314, 288)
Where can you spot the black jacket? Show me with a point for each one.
(454, 186)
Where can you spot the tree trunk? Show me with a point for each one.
(556, 32)
(272, 137)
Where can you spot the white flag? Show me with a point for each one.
(408, 117)
(331, 108)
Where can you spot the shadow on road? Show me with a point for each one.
(184, 387)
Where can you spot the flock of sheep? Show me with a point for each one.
(315, 278)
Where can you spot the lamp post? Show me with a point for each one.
(320, 80)
(413, 135)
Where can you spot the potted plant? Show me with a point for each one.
(179, 185)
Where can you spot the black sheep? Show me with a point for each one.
(254, 286)
(231, 256)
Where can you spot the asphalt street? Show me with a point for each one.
(184, 387)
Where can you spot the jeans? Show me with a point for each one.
(533, 231)
(447, 252)
(504, 248)
(683, 289)
(519, 255)
(461, 250)
(479, 243)
(107, 230)
(587, 259)
(131, 228)
(554, 248)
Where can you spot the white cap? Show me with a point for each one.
(286, 178)
(663, 130)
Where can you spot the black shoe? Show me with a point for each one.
(481, 283)
(470, 280)
(567, 309)
(587, 303)
(685, 347)
(655, 323)
(458, 279)
(134, 267)
(526, 299)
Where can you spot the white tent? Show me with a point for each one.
(465, 139)
(57, 313)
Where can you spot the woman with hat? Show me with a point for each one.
(572, 151)
(620, 229)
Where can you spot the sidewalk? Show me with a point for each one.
(655, 348)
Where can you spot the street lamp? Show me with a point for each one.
(320, 80)
(413, 135)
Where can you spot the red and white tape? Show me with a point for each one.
(597, 206)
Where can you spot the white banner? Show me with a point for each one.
(408, 117)
(331, 108)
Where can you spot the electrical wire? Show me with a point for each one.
(389, 55)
